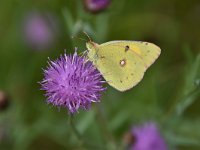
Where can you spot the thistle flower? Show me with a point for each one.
(72, 82)
(39, 30)
(96, 6)
(147, 137)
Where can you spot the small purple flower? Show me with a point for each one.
(147, 137)
(39, 30)
(72, 82)
(96, 6)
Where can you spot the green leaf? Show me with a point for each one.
(191, 88)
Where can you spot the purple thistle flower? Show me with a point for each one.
(39, 30)
(96, 6)
(147, 137)
(72, 82)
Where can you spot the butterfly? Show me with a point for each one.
(122, 63)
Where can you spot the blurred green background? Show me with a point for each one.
(169, 94)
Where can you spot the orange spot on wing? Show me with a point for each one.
(136, 50)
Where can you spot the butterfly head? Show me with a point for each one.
(92, 48)
(91, 45)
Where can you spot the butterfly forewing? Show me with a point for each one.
(149, 52)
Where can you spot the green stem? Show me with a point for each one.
(103, 127)
(76, 132)
(83, 144)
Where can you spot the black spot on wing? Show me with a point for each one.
(126, 48)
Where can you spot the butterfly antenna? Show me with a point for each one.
(79, 38)
(87, 36)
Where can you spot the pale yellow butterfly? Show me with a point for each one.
(122, 63)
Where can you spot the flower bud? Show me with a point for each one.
(4, 102)
(96, 6)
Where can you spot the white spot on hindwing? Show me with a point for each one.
(122, 62)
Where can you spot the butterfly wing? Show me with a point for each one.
(123, 63)
(149, 52)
